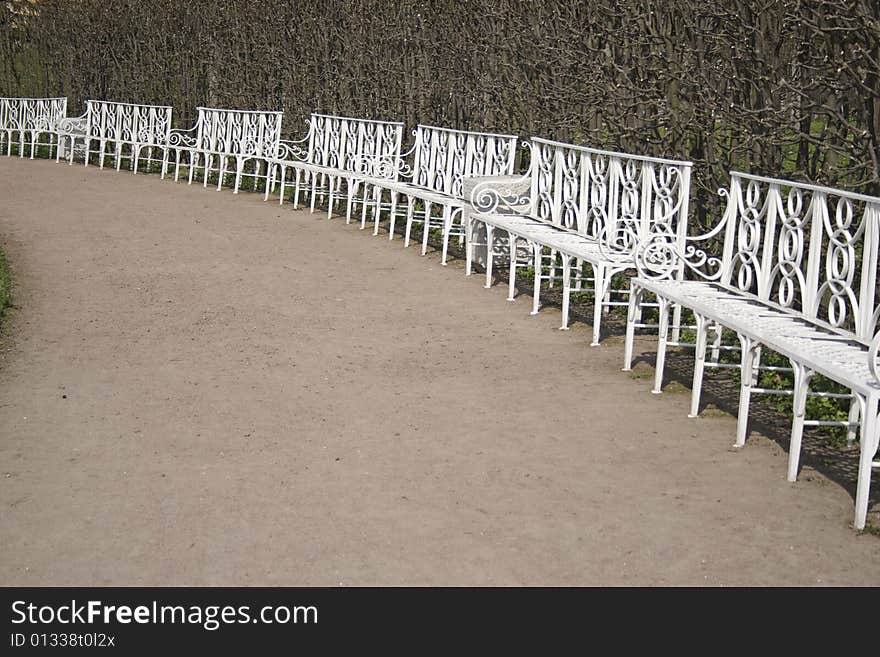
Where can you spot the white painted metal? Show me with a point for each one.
(26, 120)
(338, 149)
(607, 201)
(224, 134)
(122, 129)
(797, 273)
(442, 159)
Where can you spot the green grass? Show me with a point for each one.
(871, 530)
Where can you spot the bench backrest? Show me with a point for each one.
(807, 248)
(31, 114)
(444, 156)
(342, 142)
(247, 133)
(602, 194)
(145, 125)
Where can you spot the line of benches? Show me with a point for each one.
(794, 271)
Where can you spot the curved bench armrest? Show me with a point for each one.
(662, 253)
(289, 150)
(72, 125)
(178, 138)
(494, 194)
(388, 167)
(873, 356)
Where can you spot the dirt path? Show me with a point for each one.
(207, 389)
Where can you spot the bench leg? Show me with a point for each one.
(699, 363)
(747, 371)
(282, 170)
(239, 170)
(426, 227)
(410, 210)
(448, 218)
(552, 270)
(331, 194)
(221, 174)
(352, 192)
(716, 343)
(377, 208)
(632, 316)
(802, 376)
(663, 308)
(853, 418)
(490, 256)
(447, 228)
(676, 323)
(364, 207)
(511, 278)
(297, 179)
(566, 290)
(270, 176)
(392, 219)
(536, 291)
(601, 281)
(870, 438)
(469, 245)
(209, 162)
(314, 192)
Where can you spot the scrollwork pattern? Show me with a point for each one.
(31, 114)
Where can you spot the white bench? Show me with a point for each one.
(29, 118)
(337, 149)
(579, 207)
(442, 159)
(224, 134)
(797, 274)
(120, 126)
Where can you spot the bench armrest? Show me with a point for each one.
(663, 254)
(178, 138)
(388, 167)
(72, 125)
(289, 150)
(494, 194)
(874, 356)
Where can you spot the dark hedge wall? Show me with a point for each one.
(780, 87)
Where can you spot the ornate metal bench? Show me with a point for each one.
(797, 274)
(337, 149)
(225, 134)
(442, 159)
(579, 208)
(120, 124)
(29, 116)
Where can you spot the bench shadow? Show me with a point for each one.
(720, 391)
(839, 464)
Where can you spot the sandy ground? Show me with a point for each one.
(198, 388)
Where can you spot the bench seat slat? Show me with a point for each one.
(841, 358)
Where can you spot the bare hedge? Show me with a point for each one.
(779, 87)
